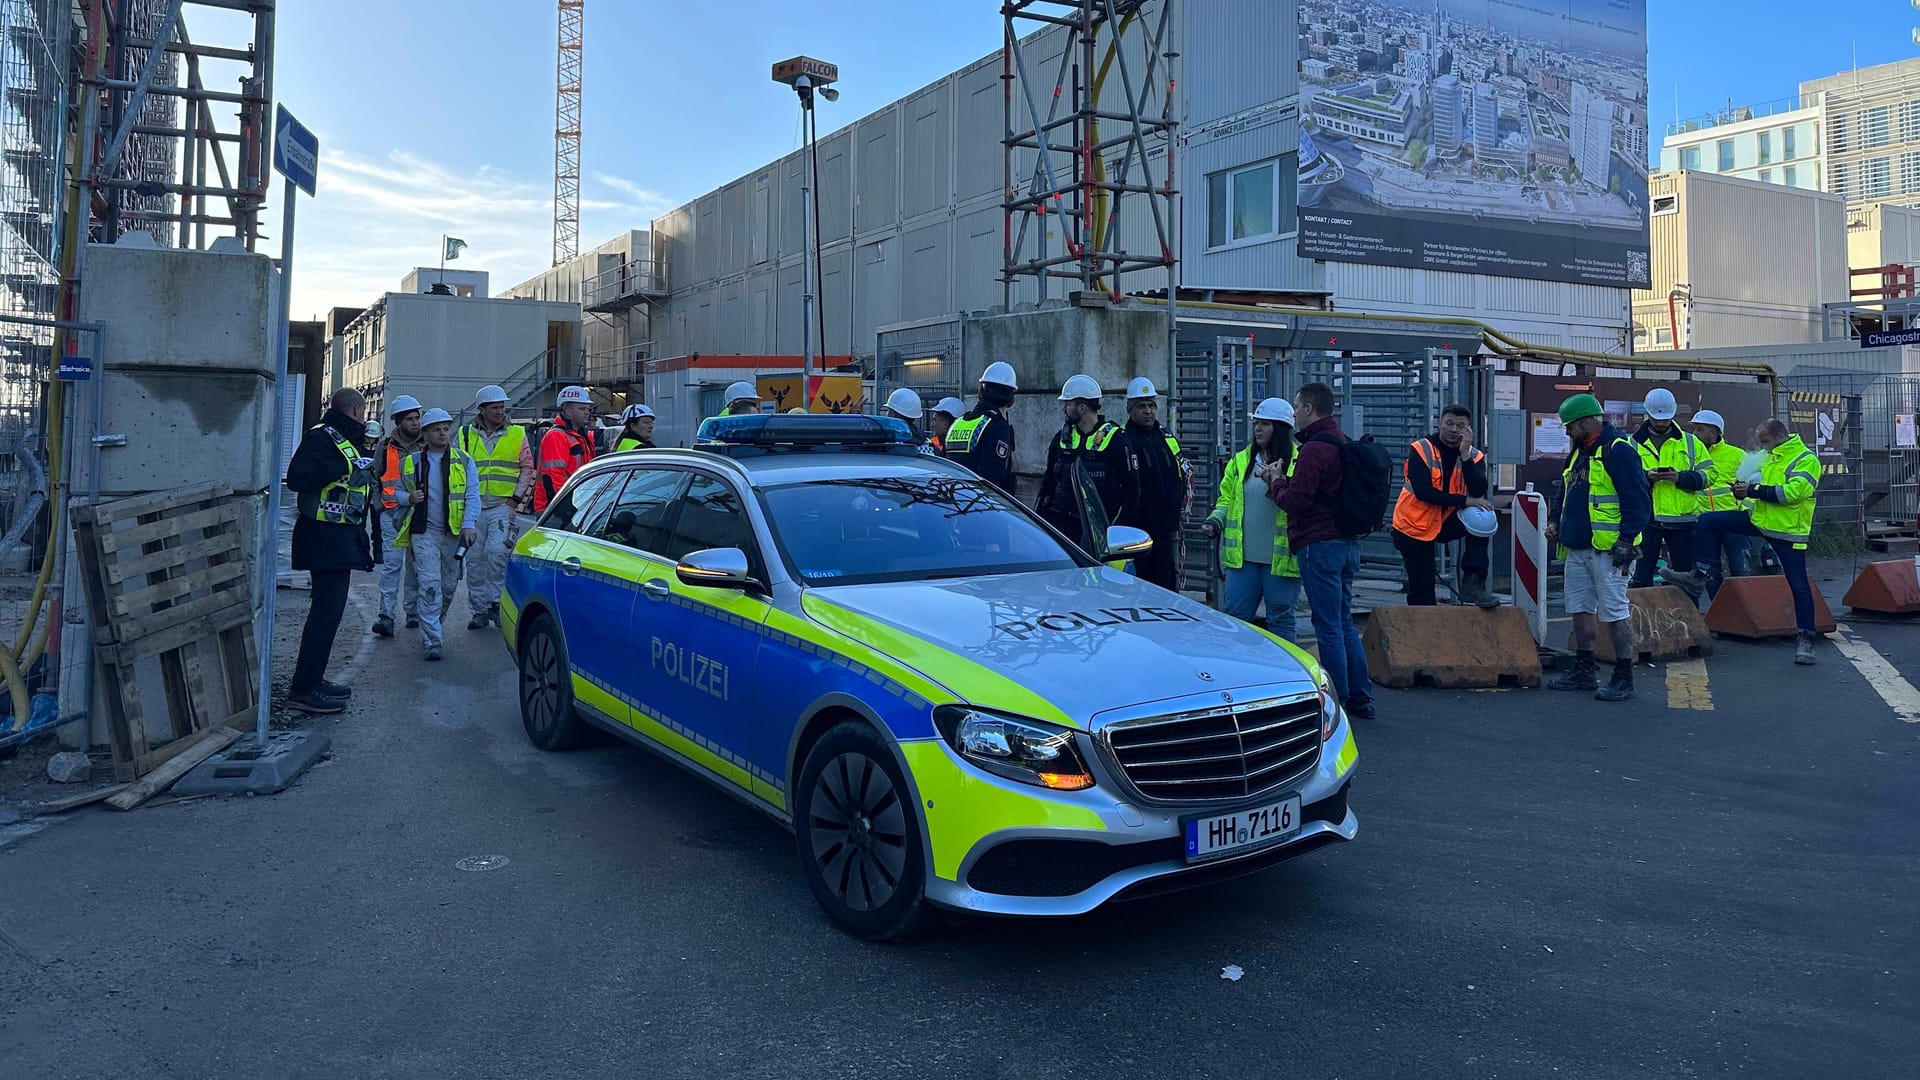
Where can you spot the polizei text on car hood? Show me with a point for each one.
(1085, 640)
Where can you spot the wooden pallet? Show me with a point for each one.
(169, 578)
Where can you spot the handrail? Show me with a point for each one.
(630, 278)
(543, 369)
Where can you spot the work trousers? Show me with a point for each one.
(1327, 570)
(329, 602)
(396, 566)
(1679, 540)
(486, 564)
(1252, 582)
(1418, 556)
(1728, 526)
(1157, 565)
(438, 574)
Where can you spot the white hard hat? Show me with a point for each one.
(742, 391)
(574, 394)
(635, 412)
(1275, 409)
(1708, 416)
(1480, 521)
(1000, 373)
(490, 395)
(435, 416)
(374, 430)
(905, 402)
(797, 409)
(1141, 388)
(952, 406)
(402, 404)
(1080, 388)
(1660, 403)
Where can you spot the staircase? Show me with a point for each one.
(541, 373)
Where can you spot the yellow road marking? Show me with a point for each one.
(1886, 681)
(1687, 686)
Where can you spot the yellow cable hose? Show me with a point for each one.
(55, 432)
(17, 687)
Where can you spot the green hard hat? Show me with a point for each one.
(1579, 407)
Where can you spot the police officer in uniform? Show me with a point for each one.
(335, 485)
(982, 440)
(1092, 443)
(1163, 484)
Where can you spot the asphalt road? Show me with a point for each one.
(1543, 886)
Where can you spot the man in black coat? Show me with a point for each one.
(333, 478)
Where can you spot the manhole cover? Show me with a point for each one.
(477, 863)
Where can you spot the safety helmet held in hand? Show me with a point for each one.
(1275, 409)
(573, 394)
(1480, 521)
(1080, 388)
(1141, 389)
(1660, 403)
(1000, 373)
(402, 405)
(435, 416)
(490, 395)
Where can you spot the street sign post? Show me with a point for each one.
(76, 368)
(296, 152)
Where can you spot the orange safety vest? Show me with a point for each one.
(390, 476)
(1422, 520)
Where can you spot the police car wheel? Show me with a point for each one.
(546, 689)
(859, 836)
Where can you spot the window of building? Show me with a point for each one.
(1878, 177)
(1766, 176)
(1662, 335)
(1666, 204)
(1792, 176)
(1876, 125)
(1910, 172)
(1725, 149)
(1766, 147)
(1690, 158)
(1910, 122)
(1786, 144)
(1251, 203)
(1839, 137)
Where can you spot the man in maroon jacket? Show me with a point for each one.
(1328, 561)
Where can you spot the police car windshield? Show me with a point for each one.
(908, 528)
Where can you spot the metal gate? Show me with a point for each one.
(926, 356)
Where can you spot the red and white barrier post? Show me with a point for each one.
(1530, 560)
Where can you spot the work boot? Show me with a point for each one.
(1621, 688)
(1474, 591)
(383, 626)
(1803, 650)
(413, 622)
(334, 689)
(1584, 677)
(493, 612)
(434, 653)
(316, 704)
(478, 621)
(1690, 582)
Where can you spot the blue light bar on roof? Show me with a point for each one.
(783, 429)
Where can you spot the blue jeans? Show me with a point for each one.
(1728, 526)
(1327, 570)
(1253, 581)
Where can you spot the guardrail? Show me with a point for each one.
(628, 282)
(1736, 114)
(619, 367)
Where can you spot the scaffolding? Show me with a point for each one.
(34, 59)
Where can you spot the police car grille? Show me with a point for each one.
(1219, 754)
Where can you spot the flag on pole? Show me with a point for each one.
(453, 248)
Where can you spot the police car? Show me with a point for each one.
(950, 704)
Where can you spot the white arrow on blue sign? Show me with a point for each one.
(296, 152)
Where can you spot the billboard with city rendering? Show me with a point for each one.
(1483, 136)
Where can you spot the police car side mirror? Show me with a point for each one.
(715, 568)
(1125, 542)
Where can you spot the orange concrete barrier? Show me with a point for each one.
(1762, 607)
(1667, 625)
(1450, 647)
(1886, 588)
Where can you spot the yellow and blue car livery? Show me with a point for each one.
(950, 703)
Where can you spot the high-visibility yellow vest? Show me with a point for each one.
(1231, 512)
(1683, 452)
(345, 501)
(1603, 499)
(455, 464)
(1723, 464)
(628, 442)
(499, 465)
(1793, 469)
(960, 435)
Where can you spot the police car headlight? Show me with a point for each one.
(1329, 707)
(1025, 750)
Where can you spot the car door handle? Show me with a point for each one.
(569, 567)
(657, 590)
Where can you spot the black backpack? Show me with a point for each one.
(1366, 486)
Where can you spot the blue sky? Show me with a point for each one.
(438, 118)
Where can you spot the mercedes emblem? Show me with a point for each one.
(1206, 676)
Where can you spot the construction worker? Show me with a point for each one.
(442, 523)
(335, 486)
(403, 438)
(1092, 446)
(503, 455)
(1254, 552)
(1445, 474)
(1603, 505)
(943, 417)
(566, 446)
(1163, 484)
(1676, 465)
(982, 440)
(905, 406)
(1723, 468)
(742, 400)
(1781, 511)
(636, 432)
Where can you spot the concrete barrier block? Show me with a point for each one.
(1667, 625)
(1450, 647)
(1886, 588)
(1762, 607)
(186, 428)
(169, 308)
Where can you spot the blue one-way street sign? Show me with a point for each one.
(296, 153)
